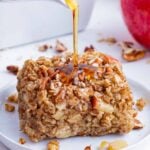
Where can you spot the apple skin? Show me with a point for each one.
(136, 14)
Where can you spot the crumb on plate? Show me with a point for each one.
(13, 69)
(9, 108)
(44, 47)
(140, 104)
(22, 141)
(115, 145)
(109, 40)
(87, 148)
(13, 98)
(53, 145)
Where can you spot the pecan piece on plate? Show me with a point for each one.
(129, 53)
(13, 98)
(137, 124)
(60, 47)
(9, 108)
(13, 69)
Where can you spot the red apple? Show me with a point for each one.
(137, 17)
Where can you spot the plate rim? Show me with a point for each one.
(5, 140)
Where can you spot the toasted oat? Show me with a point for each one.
(13, 98)
(89, 48)
(22, 141)
(109, 40)
(13, 69)
(53, 145)
(140, 104)
(129, 53)
(87, 148)
(60, 47)
(44, 47)
(9, 108)
(137, 124)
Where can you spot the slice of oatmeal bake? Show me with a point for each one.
(58, 100)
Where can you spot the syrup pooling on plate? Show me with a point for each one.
(72, 4)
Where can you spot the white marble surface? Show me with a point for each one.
(105, 22)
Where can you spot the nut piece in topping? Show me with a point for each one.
(137, 124)
(13, 98)
(60, 47)
(109, 40)
(13, 69)
(94, 102)
(22, 141)
(129, 53)
(89, 49)
(9, 107)
(140, 104)
(44, 47)
(87, 148)
(53, 145)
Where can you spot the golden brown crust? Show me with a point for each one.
(55, 104)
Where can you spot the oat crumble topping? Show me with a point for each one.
(60, 102)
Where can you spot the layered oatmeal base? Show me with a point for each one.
(93, 100)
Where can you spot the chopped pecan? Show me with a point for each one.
(53, 145)
(81, 76)
(94, 102)
(60, 47)
(89, 49)
(22, 141)
(87, 148)
(44, 81)
(137, 124)
(9, 108)
(13, 69)
(60, 96)
(129, 53)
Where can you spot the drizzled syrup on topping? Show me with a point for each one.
(68, 72)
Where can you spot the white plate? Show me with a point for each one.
(9, 127)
